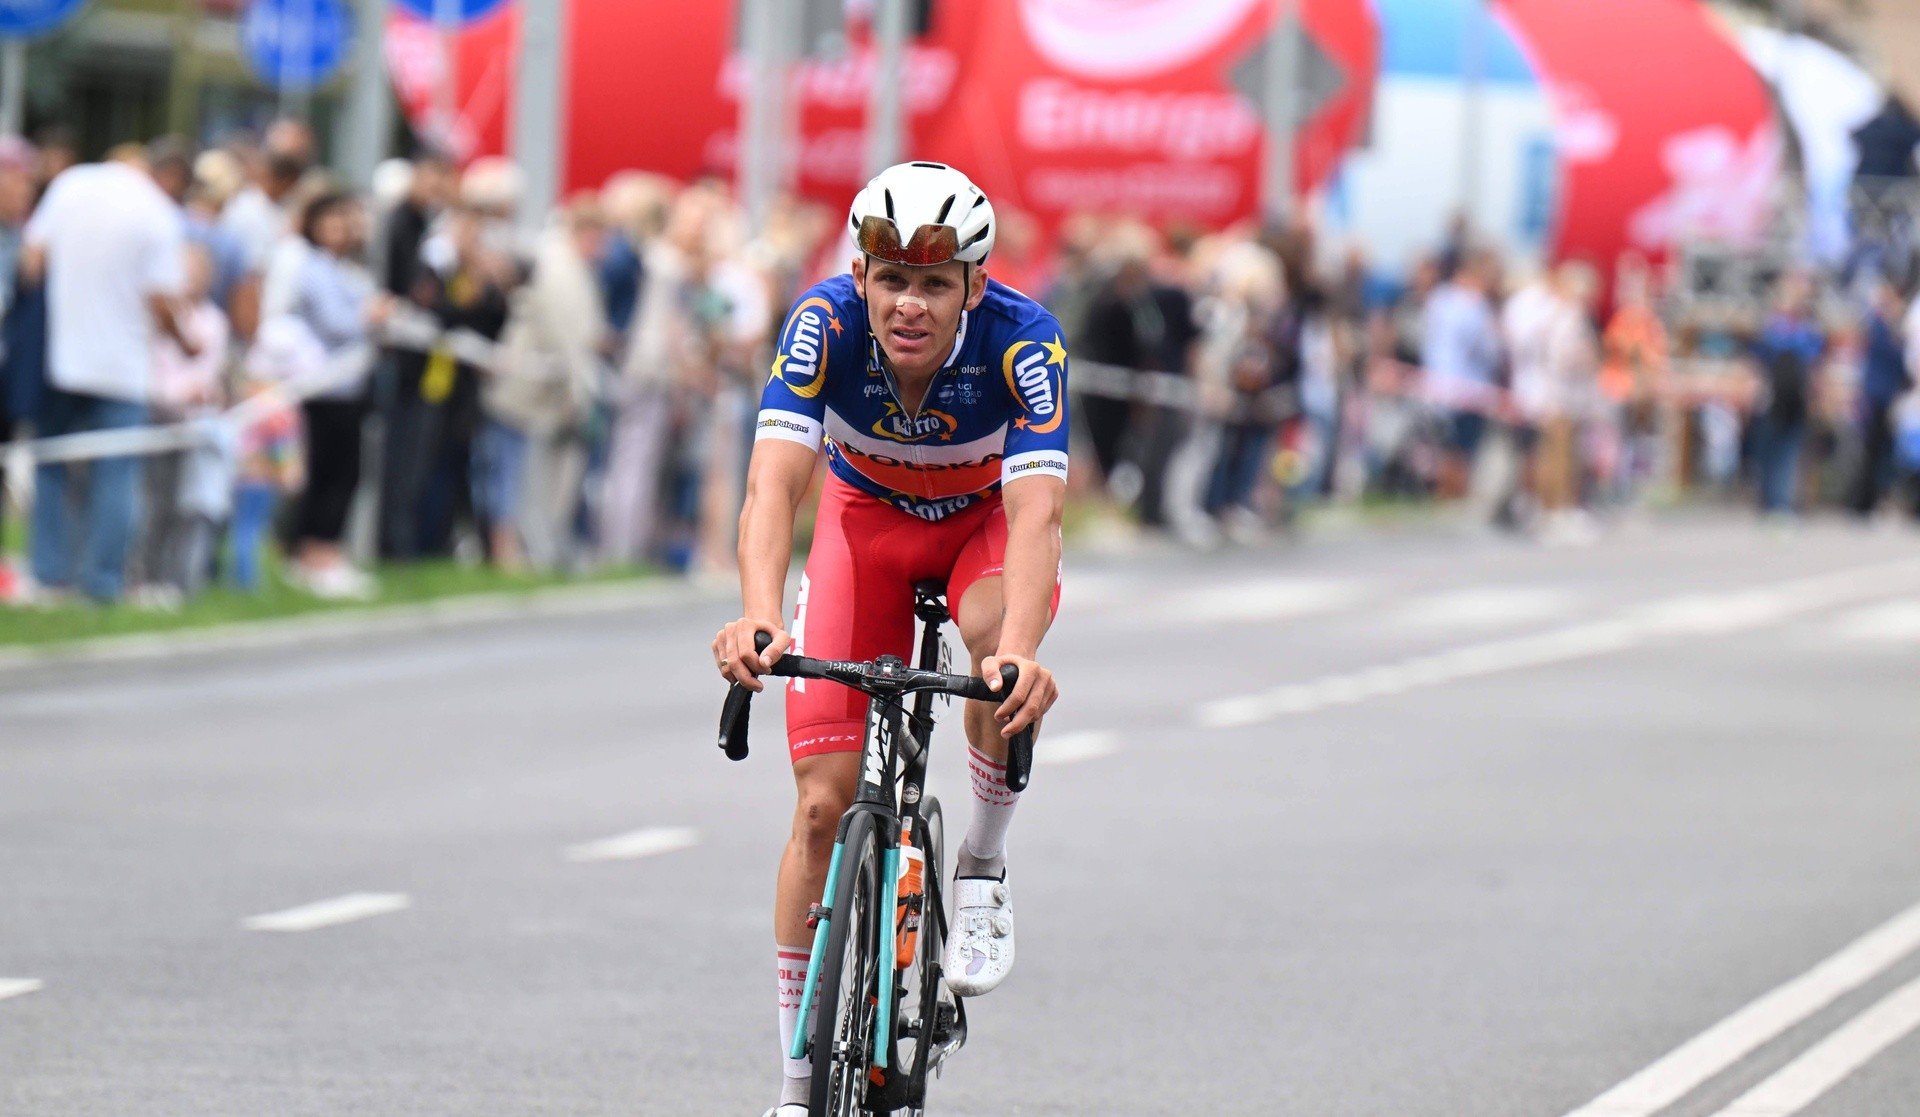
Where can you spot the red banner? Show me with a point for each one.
(1663, 129)
(1053, 106)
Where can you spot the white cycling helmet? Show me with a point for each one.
(921, 214)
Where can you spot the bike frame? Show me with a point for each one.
(891, 735)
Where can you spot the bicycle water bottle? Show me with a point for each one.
(912, 893)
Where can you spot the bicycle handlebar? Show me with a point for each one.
(863, 676)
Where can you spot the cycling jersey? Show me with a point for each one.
(996, 411)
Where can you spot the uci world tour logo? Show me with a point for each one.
(898, 426)
(1035, 372)
(802, 362)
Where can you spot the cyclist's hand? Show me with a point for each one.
(733, 651)
(1032, 696)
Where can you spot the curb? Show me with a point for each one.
(428, 616)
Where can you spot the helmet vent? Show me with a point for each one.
(889, 196)
(934, 166)
(946, 207)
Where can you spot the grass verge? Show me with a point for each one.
(399, 585)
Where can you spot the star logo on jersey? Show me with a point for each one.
(802, 362)
(1036, 375)
(898, 426)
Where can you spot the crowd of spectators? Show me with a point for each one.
(348, 380)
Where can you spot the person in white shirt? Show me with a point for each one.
(111, 249)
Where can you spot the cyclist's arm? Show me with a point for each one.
(777, 480)
(1033, 506)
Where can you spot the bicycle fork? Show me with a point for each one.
(889, 898)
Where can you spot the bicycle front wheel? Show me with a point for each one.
(845, 997)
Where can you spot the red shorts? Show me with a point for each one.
(856, 597)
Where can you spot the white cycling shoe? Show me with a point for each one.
(980, 951)
(787, 1109)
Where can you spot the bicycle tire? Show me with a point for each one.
(844, 1010)
(925, 969)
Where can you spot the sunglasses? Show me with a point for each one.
(931, 244)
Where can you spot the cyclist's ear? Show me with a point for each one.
(976, 285)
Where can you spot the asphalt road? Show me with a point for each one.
(1413, 823)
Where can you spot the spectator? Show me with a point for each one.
(111, 247)
(1633, 381)
(1788, 353)
(261, 217)
(539, 404)
(1246, 291)
(1125, 328)
(648, 388)
(427, 490)
(1526, 322)
(16, 204)
(1885, 376)
(217, 177)
(430, 189)
(1461, 355)
(337, 305)
(268, 461)
(176, 539)
(1570, 364)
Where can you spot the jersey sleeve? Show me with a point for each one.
(1034, 366)
(816, 339)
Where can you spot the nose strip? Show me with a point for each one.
(915, 300)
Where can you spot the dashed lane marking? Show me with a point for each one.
(1889, 622)
(1692, 615)
(1485, 607)
(1694, 1062)
(1072, 748)
(19, 986)
(329, 913)
(635, 844)
(1827, 1063)
(1270, 599)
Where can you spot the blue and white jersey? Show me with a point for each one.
(995, 412)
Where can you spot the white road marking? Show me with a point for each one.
(1270, 599)
(1472, 660)
(1889, 622)
(1823, 1066)
(1740, 1034)
(635, 844)
(1485, 607)
(1072, 748)
(1717, 614)
(19, 986)
(328, 913)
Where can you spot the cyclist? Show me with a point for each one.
(940, 397)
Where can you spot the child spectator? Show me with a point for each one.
(184, 388)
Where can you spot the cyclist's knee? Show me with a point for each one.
(817, 817)
(826, 785)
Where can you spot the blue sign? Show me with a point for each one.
(21, 18)
(295, 44)
(462, 11)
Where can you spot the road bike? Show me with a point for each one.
(876, 1015)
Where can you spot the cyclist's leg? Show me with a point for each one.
(856, 602)
(980, 951)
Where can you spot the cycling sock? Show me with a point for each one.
(984, 851)
(790, 972)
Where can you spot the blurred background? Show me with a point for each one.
(1537, 263)
(1491, 600)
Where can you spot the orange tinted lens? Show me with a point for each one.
(931, 244)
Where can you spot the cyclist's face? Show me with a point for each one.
(915, 312)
